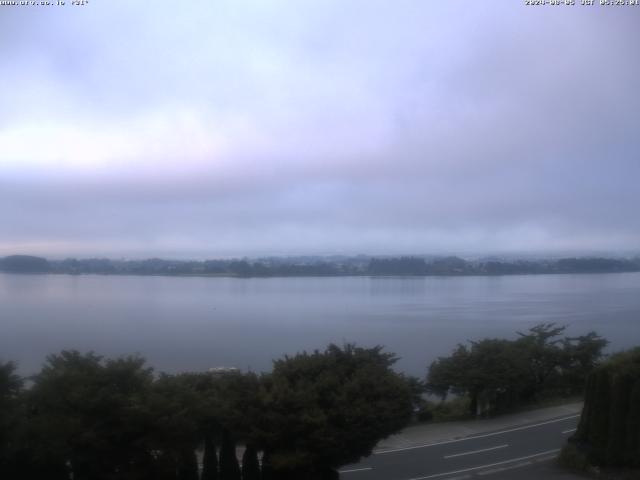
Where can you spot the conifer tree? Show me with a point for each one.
(210, 459)
(609, 432)
(188, 465)
(250, 464)
(266, 470)
(229, 467)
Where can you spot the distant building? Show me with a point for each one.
(224, 370)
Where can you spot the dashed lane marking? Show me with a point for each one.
(353, 470)
(504, 469)
(546, 459)
(485, 435)
(476, 451)
(480, 467)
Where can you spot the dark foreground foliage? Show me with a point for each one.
(609, 431)
(90, 418)
(498, 375)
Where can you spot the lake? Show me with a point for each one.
(193, 323)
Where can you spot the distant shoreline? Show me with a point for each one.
(320, 267)
(344, 275)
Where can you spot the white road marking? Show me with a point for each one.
(504, 462)
(515, 429)
(570, 430)
(355, 470)
(545, 459)
(504, 469)
(476, 451)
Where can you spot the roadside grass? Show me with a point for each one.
(575, 460)
(453, 409)
(457, 408)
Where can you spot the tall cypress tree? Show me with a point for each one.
(632, 454)
(210, 459)
(609, 430)
(250, 464)
(229, 467)
(330, 474)
(163, 467)
(599, 430)
(622, 386)
(188, 465)
(267, 469)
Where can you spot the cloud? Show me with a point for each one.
(258, 127)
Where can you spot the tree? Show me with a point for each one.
(230, 407)
(489, 373)
(449, 373)
(90, 414)
(326, 409)
(497, 374)
(234, 400)
(609, 430)
(178, 410)
(229, 467)
(544, 356)
(397, 266)
(10, 391)
(250, 464)
(581, 356)
(24, 264)
(187, 464)
(209, 459)
(241, 268)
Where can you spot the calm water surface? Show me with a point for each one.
(190, 323)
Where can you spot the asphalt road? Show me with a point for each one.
(488, 455)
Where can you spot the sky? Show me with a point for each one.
(216, 128)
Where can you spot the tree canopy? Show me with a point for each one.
(326, 409)
(497, 374)
(609, 430)
(104, 419)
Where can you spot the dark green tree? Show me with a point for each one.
(229, 467)
(447, 374)
(10, 391)
(542, 348)
(250, 464)
(178, 409)
(489, 373)
(608, 432)
(497, 374)
(187, 465)
(89, 414)
(326, 409)
(236, 403)
(581, 355)
(209, 459)
(266, 468)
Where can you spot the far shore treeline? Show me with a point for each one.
(319, 266)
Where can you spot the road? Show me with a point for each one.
(488, 455)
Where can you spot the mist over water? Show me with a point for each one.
(194, 323)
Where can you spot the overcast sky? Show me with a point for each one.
(213, 128)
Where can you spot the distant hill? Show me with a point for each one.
(24, 264)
